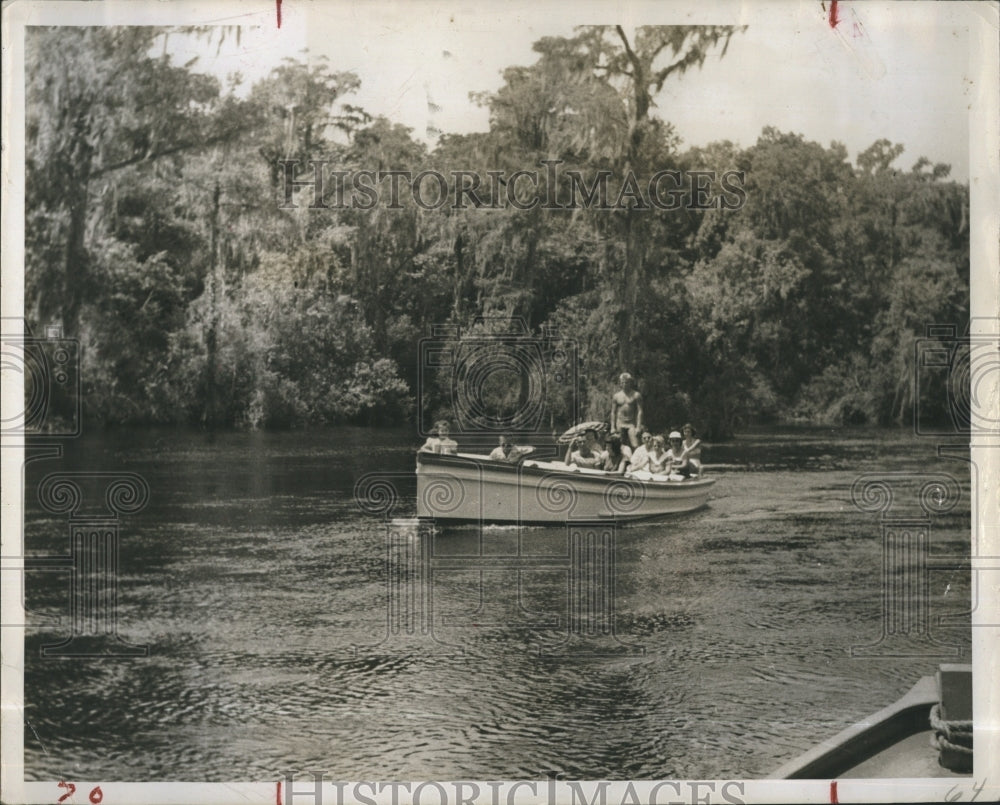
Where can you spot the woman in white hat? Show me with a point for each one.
(679, 464)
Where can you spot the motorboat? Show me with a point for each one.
(472, 487)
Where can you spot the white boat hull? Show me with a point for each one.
(468, 487)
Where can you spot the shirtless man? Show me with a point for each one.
(626, 410)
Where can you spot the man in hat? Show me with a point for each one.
(626, 410)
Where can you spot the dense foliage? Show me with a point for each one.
(157, 235)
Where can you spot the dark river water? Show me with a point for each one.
(260, 589)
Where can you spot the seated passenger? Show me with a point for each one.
(692, 448)
(640, 456)
(678, 463)
(616, 455)
(509, 452)
(582, 454)
(440, 442)
(659, 461)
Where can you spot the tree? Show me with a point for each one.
(155, 210)
(639, 68)
(98, 102)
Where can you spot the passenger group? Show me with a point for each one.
(628, 449)
(651, 458)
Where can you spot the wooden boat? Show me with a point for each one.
(474, 488)
(927, 733)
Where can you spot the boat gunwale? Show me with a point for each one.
(522, 469)
(444, 522)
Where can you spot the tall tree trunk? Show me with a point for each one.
(211, 337)
(75, 268)
(633, 285)
(634, 251)
(456, 305)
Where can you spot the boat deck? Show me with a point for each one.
(895, 742)
(913, 756)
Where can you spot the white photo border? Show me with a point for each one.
(984, 147)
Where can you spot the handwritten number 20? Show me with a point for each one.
(95, 796)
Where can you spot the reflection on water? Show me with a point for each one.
(262, 593)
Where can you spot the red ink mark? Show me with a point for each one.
(69, 793)
(277, 798)
(833, 793)
(834, 19)
(279, 12)
(96, 795)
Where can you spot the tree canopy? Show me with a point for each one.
(158, 235)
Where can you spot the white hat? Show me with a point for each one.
(674, 435)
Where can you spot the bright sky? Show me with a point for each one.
(903, 71)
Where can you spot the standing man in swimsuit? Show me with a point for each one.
(626, 410)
